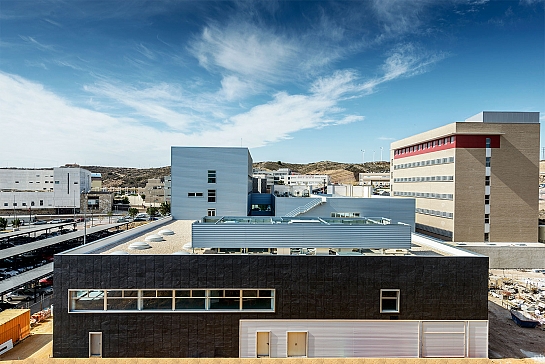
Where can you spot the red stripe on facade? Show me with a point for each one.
(456, 141)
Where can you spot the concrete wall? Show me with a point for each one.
(511, 257)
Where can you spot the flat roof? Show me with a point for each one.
(181, 241)
(24, 230)
(9, 284)
(25, 248)
(269, 220)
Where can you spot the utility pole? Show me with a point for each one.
(381, 154)
(373, 156)
(363, 151)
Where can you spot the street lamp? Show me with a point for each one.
(363, 151)
(381, 154)
(373, 156)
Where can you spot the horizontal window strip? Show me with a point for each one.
(429, 162)
(428, 195)
(424, 179)
(171, 300)
(443, 214)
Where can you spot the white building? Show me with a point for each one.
(56, 188)
(375, 179)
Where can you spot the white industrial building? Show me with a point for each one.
(55, 188)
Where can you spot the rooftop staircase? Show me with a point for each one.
(305, 208)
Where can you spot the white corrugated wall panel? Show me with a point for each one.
(336, 338)
(388, 339)
(478, 339)
(443, 339)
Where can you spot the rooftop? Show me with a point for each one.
(165, 237)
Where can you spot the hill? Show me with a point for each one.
(339, 172)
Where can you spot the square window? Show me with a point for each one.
(389, 300)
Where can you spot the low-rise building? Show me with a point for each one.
(55, 189)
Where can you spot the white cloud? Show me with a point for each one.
(232, 88)
(245, 49)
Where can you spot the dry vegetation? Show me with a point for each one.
(339, 172)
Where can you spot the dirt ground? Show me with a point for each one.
(507, 339)
(39, 345)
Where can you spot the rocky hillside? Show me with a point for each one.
(339, 172)
(127, 177)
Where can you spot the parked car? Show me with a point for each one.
(46, 281)
(44, 290)
(6, 306)
(39, 222)
(57, 221)
(20, 295)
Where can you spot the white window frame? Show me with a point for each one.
(397, 298)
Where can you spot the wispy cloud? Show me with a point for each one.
(34, 42)
(246, 50)
(385, 138)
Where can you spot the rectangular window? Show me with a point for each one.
(56, 182)
(146, 300)
(211, 195)
(488, 161)
(345, 214)
(487, 199)
(452, 139)
(486, 237)
(5, 203)
(211, 212)
(487, 218)
(194, 194)
(15, 204)
(488, 142)
(487, 180)
(389, 300)
(41, 202)
(211, 176)
(24, 203)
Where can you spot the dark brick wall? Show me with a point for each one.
(307, 287)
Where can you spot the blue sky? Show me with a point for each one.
(116, 83)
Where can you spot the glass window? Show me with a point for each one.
(389, 300)
(122, 304)
(157, 304)
(224, 303)
(86, 300)
(211, 176)
(211, 195)
(189, 304)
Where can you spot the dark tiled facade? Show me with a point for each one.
(307, 287)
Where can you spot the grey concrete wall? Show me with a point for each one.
(511, 257)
